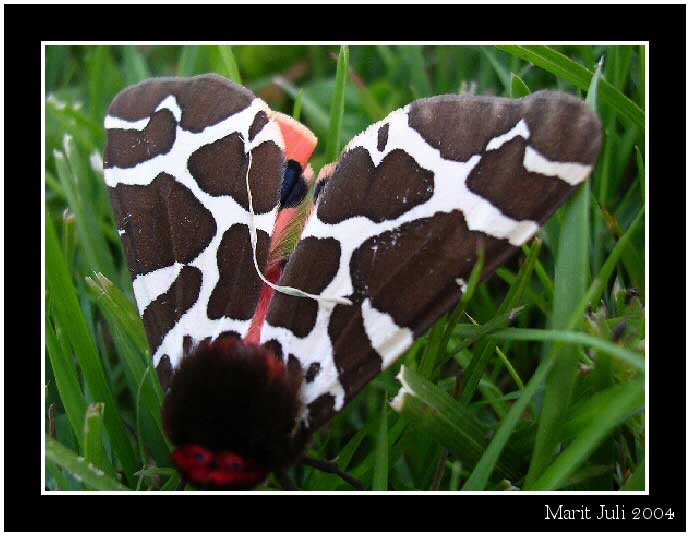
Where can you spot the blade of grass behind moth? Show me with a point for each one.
(226, 64)
(135, 67)
(318, 118)
(94, 452)
(132, 348)
(501, 70)
(485, 351)
(81, 190)
(74, 178)
(448, 421)
(69, 314)
(518, 88)
(85, 472)
(610, 416)
(67, 383)
(297, 106)
(380, 479)
(553, 61)
(186, 65)
(596, 289)
(418, 76)
(571, 277)
(337, 106)
(633, 359)
(435, 352)
(366, 466)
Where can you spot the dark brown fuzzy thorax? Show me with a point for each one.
(233, 396)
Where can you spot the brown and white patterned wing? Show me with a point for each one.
(175, 164)
(397, 228)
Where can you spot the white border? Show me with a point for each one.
(353, 43)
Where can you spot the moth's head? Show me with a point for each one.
(231, 412)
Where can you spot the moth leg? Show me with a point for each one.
(332, 467)
(285, 481)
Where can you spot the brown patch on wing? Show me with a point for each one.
(311, 268)
(163, 223)
(420, 260)
(237, 292)
(260, 121)
(386, 191)
(204, 100)
(461, 126)
(516, 192)
(382, 137)
(163, 313)
(356, 361)
(220, 168)
(165, 372)
(563, 128)
(320, 410)
(127, 148)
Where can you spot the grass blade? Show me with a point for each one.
(518, 88)
(227, 65)
(337, 106)
(135, 66)
(611, 415)
(563, 67)
(130, 341)
(297, 106)
(94, 452)
(67, 382)
(68, 312)
(570, 337)
(572, 269)
(73, 178)
(82, 470)
(481, 358)
(435, 413)
(380, 480)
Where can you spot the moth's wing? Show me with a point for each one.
(175, 164)
(398, 225)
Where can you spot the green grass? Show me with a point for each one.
(531, 383)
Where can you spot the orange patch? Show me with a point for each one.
(300, 142)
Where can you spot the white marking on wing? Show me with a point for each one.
(147, 287)
(462, 284)
(168, 103)
(520, 129)
(386, 337)
(405, 389)
(571, 172)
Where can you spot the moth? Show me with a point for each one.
(257, 350)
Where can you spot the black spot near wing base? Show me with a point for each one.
(294, 187)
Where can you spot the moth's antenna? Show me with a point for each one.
(290, 291)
